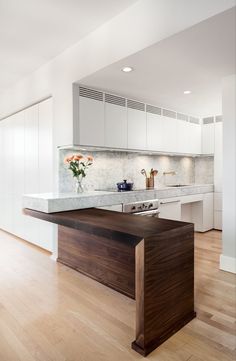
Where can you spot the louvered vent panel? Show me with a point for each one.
(181, 116)
(194, 120)
(114, 99)
(208, 120)
(135, 105)
(153, 110)
(218, 118)
(169, 113)
(90, 93)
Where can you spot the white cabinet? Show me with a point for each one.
(154, 132)
(136, 127)
(26, 158)
(116, 123)
(218, 169)
(170, 209)
(208, 135)
(91, 119)
(169, 134)
(194, 138)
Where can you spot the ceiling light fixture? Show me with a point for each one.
(127, 69)
(187, 92)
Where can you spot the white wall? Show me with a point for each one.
(228, 257)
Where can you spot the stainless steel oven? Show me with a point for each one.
(148, 208)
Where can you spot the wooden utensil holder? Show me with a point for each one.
(150, 183)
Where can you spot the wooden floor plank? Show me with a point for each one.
(49, 312)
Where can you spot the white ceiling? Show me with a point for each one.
(34, 31)
(196, 59)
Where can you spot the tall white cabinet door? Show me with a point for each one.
(170, 134)
(137, 125)
(115, 122)
(31, 150)
(18, 172)
(208, 135)
(91, 118)
(154, 129)
(45, 123)
(218, 158)
(31, 168)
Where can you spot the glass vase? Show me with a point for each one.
(79, 188)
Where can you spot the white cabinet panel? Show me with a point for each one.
(31, 150)
(154, 132)
(45, 152)
(194, 140)
(169, 134)
(218, 201)
(208, 138)
(218, 220)
(183, 137)
(136, 129)
(91, 122)
(26, 157)
(115, 126)
(170, 209)
(218, 157)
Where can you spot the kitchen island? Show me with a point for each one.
(148, 259)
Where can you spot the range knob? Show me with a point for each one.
(150, 205)
(133, 208)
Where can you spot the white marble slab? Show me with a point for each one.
(59, 202)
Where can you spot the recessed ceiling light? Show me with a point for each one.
(127, 69)
(187, 92)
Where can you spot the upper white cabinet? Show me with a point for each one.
(115, 121)
(91, 117)
(169, 131)
(208, 135)
(136, 125)
(154, 128)
(112, 121)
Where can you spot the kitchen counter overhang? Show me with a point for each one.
(59, 202)
(149, 259)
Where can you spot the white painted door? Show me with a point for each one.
(136, 129)
(115, 125)
(169, 134)
(154, 132)
(208, 138)
(91, 122)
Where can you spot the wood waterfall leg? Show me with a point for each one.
(164, 287)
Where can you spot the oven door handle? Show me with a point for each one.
(147, 213)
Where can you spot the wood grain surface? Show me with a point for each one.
(122, 250)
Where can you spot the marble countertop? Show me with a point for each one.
(59, 202)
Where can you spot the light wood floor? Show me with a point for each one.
(49, 312)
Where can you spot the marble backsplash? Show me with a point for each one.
(112, 167)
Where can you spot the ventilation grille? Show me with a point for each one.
(114, 99)
(90, 93)
(208, 120)
(194, 120)
(181, 116)
(152, 109)
(218, 118)
(135, 105)
(169, 113)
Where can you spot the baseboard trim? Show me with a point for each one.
(227, 264)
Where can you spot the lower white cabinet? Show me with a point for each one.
(26, 157)
(170, 209)
(218, 210)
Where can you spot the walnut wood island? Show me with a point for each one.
(148, 259)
